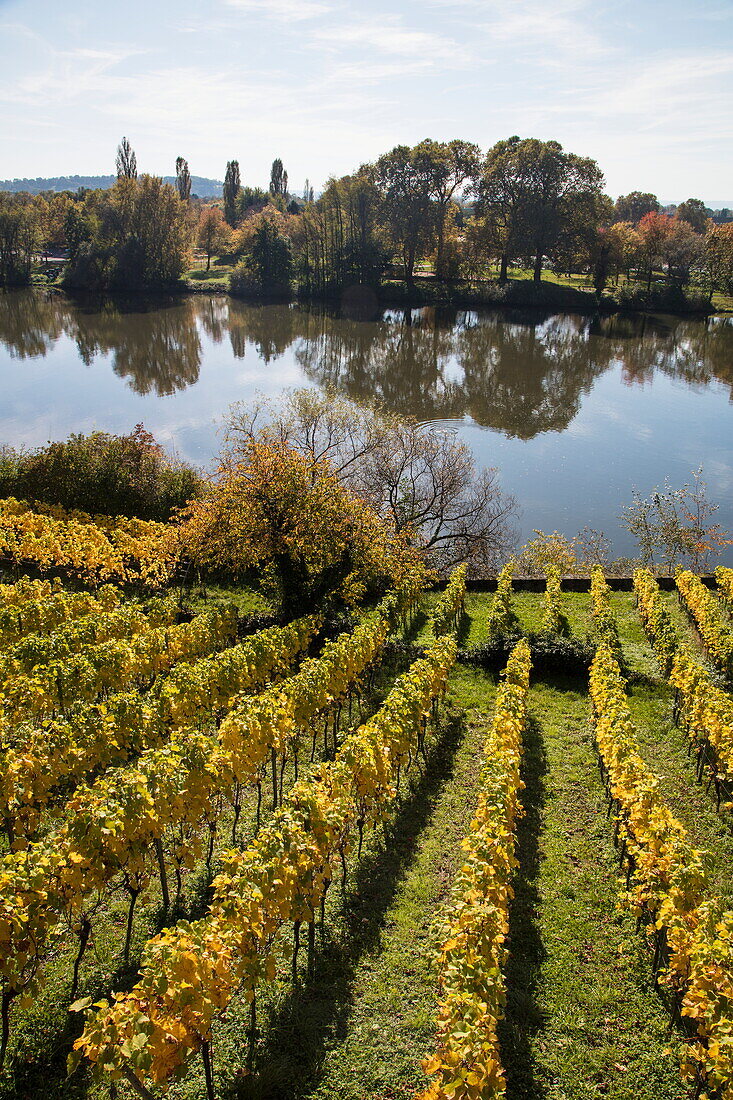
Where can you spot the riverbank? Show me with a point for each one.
(363, 301)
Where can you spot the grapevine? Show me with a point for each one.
(554, 620)
(667, 885)
(191, 972)
(501, 616)
(475, 923)
(604, 626)
(122, 550)
(709, 618)
(450, 607)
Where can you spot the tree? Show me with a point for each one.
(633, 207)
(278, 178)
(420, 479)
(126, 161)
(213, 233)
(404, 179)
(20, 235)
(339, 237)
(310, 537)
(676, 525)
(546, 552)
(565, 192)
(449, 165)
(718, 258)
(231, 189)
(183, 179)
(682, 250)
(626, 247)
(695, 213)
(502, 199)
(267, 267)
(653, 231)
(536, 199)
(136, 234)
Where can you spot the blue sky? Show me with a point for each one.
(644, 87)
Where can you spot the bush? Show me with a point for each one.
(551, 653)
(268, 268)
(102, 474)
(665, 298)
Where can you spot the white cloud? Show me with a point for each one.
(283, 10)
(542, 28)
(389, 36)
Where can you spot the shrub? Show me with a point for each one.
(127, 475)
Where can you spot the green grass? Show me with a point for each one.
(582, 1017)
(217, 275)
(248, 600)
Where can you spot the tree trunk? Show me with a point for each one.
(503, 277)
(538, 267)
(439, 252)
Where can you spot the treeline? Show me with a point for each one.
(442, 209)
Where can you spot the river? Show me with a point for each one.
(575, 411)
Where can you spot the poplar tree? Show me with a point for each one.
(232, 185)
(126, 161)
(183, 179)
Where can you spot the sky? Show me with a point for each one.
(644, 87)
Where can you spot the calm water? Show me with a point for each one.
(574, 411)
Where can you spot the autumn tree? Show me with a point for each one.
(420, 479)
(126, 161)
(311, 538)
(681, 251)
(183, 179)
(213, 233)
(232, 184)
(675, 526)
(653, 231)
(626, 247)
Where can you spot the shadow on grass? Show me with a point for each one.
(464, 629)
(523, 1017)
(314, 1015)
(419, 620)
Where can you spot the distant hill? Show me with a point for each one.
(200, 185)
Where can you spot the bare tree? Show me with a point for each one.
(676, 525)
(421, 478)
(126, 161)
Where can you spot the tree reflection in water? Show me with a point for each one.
(518, 372)
(154, 345)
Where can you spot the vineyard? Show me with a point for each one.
(460, 845)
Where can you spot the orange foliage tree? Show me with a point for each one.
(314, 540)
